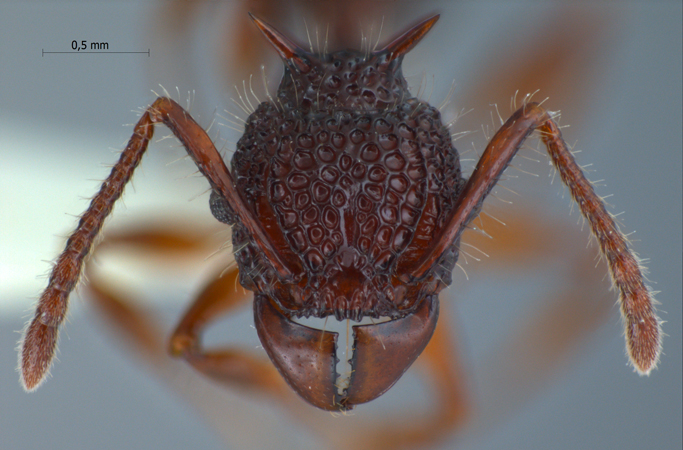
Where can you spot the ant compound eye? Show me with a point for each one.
(221, 210)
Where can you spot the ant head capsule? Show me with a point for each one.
(348, 174)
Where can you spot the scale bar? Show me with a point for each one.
(75, 52)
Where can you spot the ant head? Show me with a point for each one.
(343, 80)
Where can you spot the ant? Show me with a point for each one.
(346, 199)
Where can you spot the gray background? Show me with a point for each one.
(61, 117)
